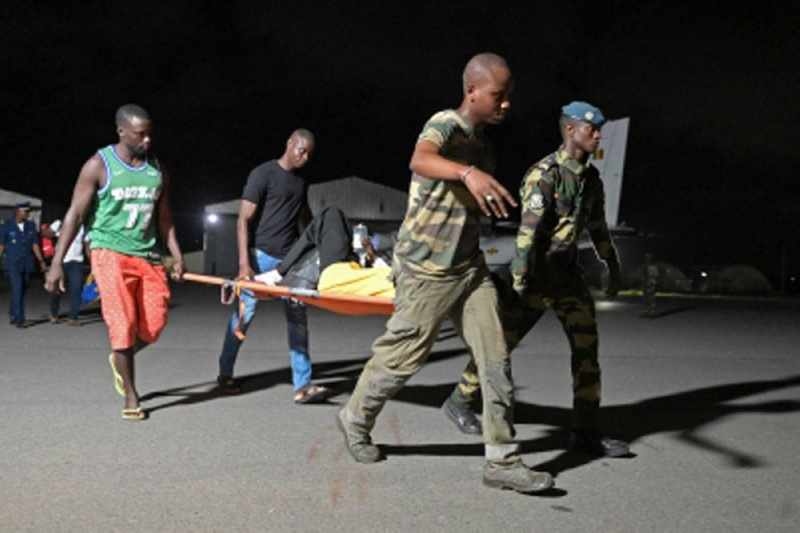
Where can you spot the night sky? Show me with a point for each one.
(712, 96)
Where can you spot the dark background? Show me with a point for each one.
(711, 92)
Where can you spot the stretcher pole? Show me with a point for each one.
(337, 303)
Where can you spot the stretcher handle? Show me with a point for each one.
(276, 291)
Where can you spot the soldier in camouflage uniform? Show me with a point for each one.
(562, 195)
(440, 273)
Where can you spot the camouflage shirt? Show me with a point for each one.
(560, 198)
(440, 232)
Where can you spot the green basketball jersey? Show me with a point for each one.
(124, 220)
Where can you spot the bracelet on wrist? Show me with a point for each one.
(466, 172)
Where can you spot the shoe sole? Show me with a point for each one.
(228, 387)
(505, 486)
(616, 452)
(134, 415)
(318, 394)
(340, 425)
(454, 419)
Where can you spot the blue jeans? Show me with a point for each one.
(18, 280)
(296, 325)
(73, 273)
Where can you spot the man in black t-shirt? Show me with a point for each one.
(274, 190)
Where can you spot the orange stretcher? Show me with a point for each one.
(338, 303)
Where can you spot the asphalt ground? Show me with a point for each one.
(707, 392)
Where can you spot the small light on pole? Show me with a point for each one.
(212, 218)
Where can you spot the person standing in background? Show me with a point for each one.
(73, 272)
(19, 239)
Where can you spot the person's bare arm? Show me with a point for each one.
(167, 227)
(87, 251)
(426, 161)
(90, 179)
(247, 211)
(37, 251)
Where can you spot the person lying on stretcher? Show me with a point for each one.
(323, 258)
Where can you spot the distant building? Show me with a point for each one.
(359, 199)
(738, 279)
(8, 201)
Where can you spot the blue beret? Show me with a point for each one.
(585, 112)
(23, 205)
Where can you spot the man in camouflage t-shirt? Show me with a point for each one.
(440, 273)
(562, 196)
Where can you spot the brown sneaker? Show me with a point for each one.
(516, 476)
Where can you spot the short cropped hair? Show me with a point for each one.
(128, 112)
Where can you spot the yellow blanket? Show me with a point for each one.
(351, 278)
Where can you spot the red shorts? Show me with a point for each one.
(134, 297)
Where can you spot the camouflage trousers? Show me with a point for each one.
(574, 307)
(421, 305)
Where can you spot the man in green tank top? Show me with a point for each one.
(121, 193)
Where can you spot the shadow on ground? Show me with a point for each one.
(340, 376)
(667, 311)
(684, 413)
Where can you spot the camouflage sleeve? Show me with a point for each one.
(438, 129)
(598, 231)
(536, 197)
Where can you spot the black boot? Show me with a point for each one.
(462, 416)
(590, 441)
(228, 385)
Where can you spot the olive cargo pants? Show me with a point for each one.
(421, 305)
(574, 307)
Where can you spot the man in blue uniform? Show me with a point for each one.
(19, 239)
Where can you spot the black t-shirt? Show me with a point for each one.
(280, 196)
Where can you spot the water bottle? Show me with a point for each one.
(359, 234)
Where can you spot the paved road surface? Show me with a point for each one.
(708, 393)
